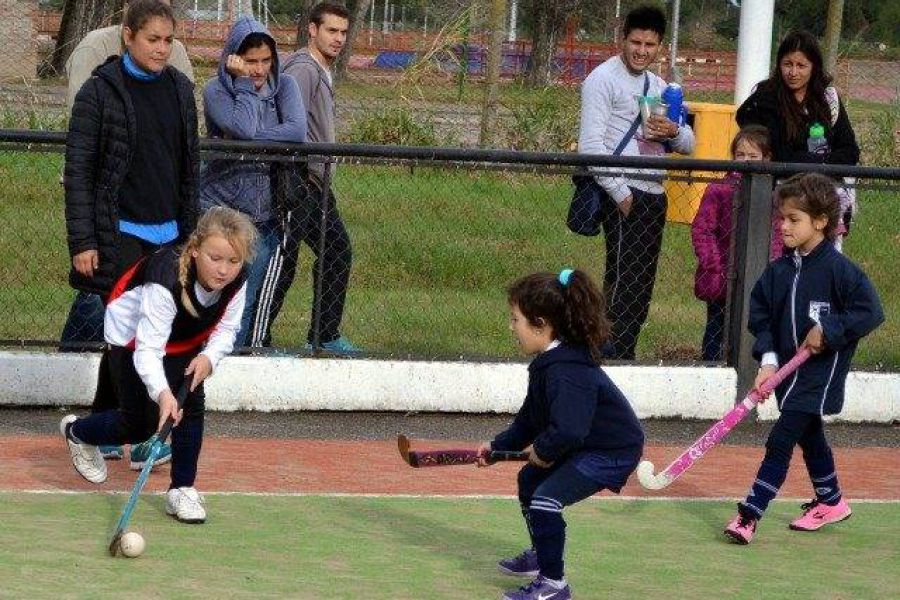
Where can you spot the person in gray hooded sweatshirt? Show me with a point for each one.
(250, 101)
(310, 67)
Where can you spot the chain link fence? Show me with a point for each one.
(426, 250)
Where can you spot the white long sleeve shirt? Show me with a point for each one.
(145, 314)
(608, 107)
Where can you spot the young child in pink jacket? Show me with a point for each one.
(711, 236)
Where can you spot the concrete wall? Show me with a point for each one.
(291, 383)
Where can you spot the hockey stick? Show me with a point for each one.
(718, 431)
(155, 448)
(448, 458)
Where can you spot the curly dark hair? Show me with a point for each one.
(576, 311)
(814, 194)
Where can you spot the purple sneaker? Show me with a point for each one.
(539, 589)
(523, 565)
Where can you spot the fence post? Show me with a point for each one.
(752, 234)
(325, 199)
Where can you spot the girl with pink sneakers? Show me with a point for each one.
(581, 433)
(711, 236)
(812, 297)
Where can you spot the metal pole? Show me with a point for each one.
(752, 233)
(372, 20)
(324, 201)
(833, 34)
(674, 74)
(754, 46)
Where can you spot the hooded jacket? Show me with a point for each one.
(572, 404)
(234, 109)
(793, 295)
(318, 97)
(99, 146)
(711, 237)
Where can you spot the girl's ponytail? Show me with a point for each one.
(570, 302)
(585, 312)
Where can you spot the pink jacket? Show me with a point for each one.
(711, 236)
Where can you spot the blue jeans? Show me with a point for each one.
(269, 238)
(84, 325)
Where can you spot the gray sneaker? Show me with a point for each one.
(87, 459)
(539, 589)
(523, 565)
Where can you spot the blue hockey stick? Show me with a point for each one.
(155, 448)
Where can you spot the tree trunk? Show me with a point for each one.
(547, 21)
(492, 74)
(358, 10)
(303, 22)
(78, 18)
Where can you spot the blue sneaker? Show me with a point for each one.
(140, 452)
(111, 452)
(339, 346)
(523, 565)
(540, 589)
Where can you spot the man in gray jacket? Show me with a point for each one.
(310, 67)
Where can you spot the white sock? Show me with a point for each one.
(556, 584)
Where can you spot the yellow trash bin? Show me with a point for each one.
(714, 128)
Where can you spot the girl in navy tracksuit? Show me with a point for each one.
(171, 315)
(579, 429)
(813, 297)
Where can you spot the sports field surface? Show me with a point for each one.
(302, 518)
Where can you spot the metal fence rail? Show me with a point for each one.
(436, 233)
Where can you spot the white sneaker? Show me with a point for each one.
(186, 504)
(87, 459)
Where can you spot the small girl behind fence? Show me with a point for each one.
(171, 315)
(711, 236)
(813, 297)
(581, 433)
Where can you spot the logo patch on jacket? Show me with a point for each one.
(817, 310)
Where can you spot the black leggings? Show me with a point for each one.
(633, 244)
(137, 417)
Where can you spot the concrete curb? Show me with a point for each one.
(294, 383)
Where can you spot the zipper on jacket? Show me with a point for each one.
(798, 262)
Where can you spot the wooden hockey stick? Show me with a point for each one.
(450, 457)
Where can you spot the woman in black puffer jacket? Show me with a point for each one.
(132, 168)
(132, 157)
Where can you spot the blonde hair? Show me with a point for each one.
(228, 223)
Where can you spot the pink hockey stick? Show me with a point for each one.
(717, 432)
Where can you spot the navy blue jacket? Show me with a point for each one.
(572, 404)
(792, 295)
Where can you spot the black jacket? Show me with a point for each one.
(572, 404)
(761, 108)
(791, 296)
(99, 145)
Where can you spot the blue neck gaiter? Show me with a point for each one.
(135, 71)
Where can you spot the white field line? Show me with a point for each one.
(439, 496)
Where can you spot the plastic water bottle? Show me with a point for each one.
(673, 97)
(816, 143)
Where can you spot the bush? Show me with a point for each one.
(547, 122)
(394, 126)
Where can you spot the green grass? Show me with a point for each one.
(54, 546)
(433, 251)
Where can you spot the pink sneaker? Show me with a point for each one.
(741, 529)
(819, 514)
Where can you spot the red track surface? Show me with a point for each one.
(375, 467)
